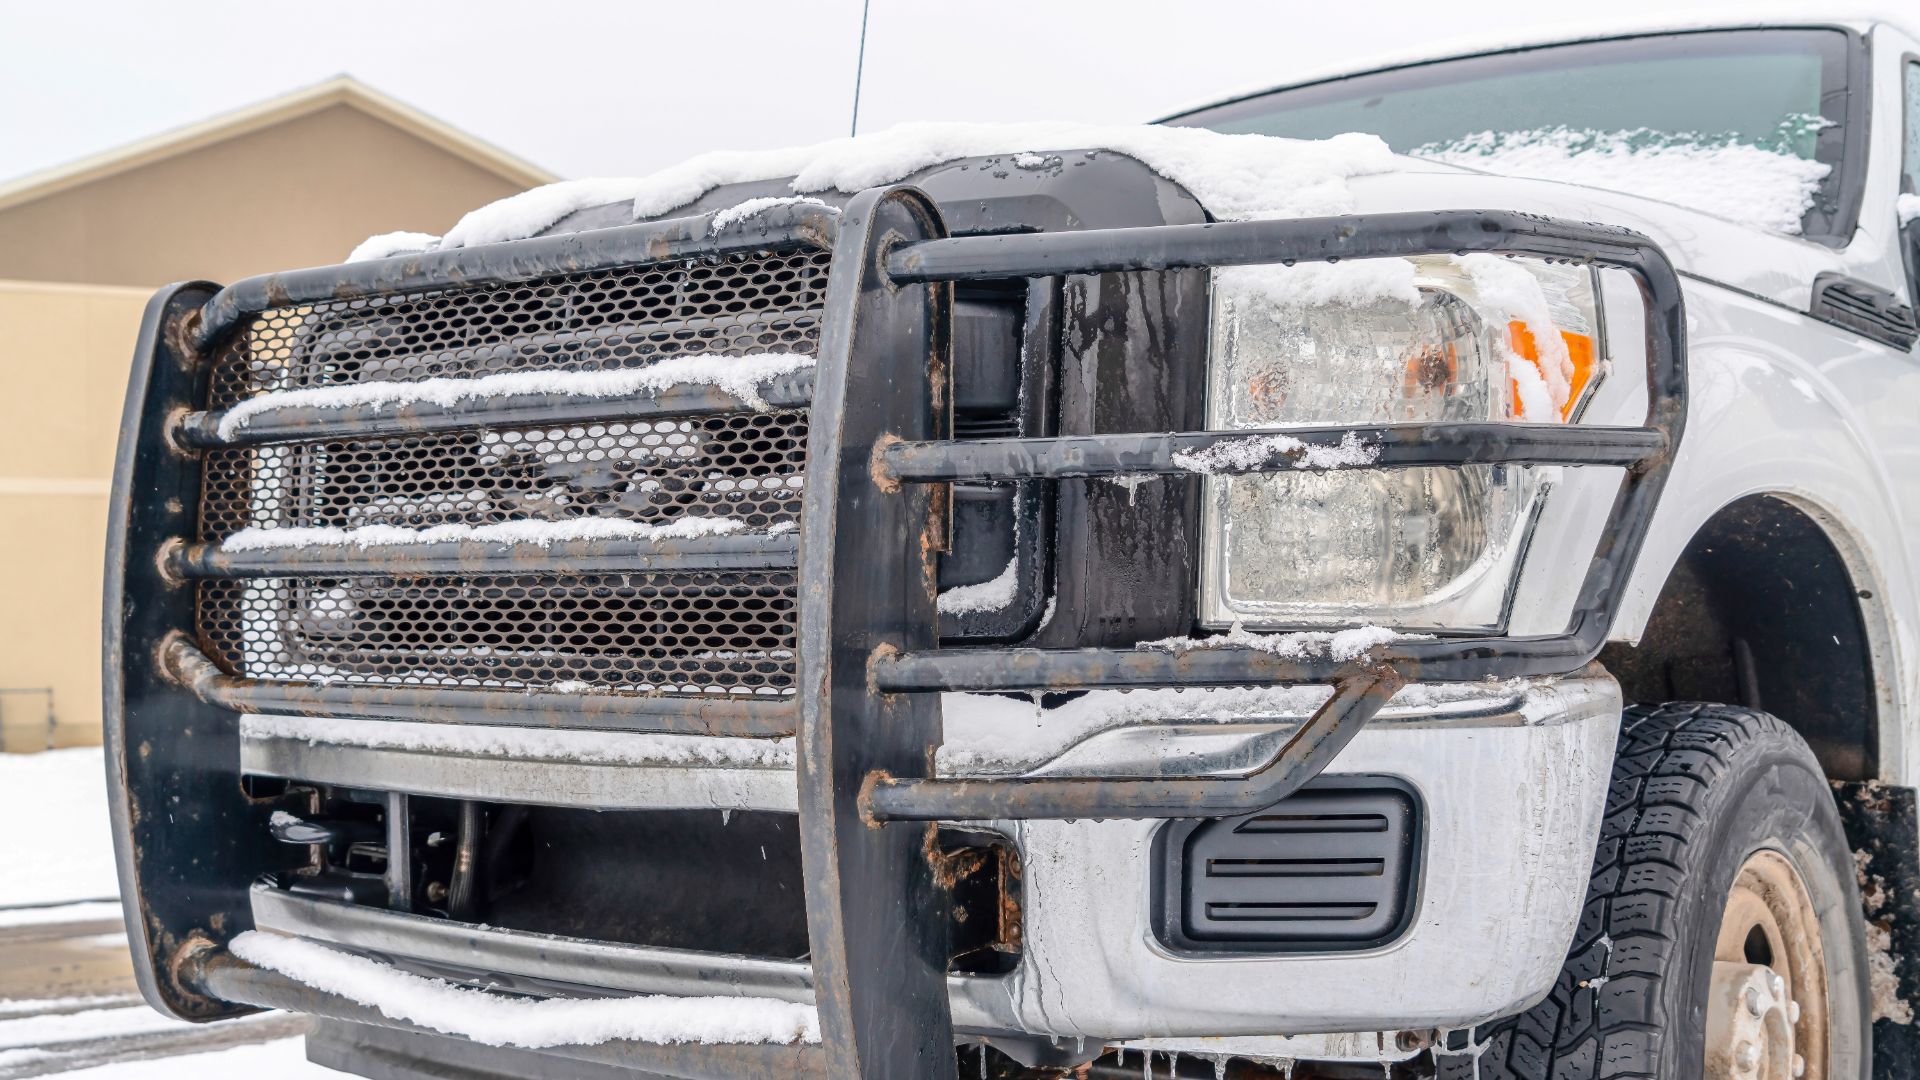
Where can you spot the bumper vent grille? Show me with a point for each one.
(1333, 867)
(694, 631)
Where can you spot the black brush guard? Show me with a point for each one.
(190, 839)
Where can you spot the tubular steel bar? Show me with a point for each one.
(985, 460)
(686, 714)
(875, 916)
(218, 974)
(800, 224)
(1355, 700)
(725, 552)
(1646, 453)
(572, 964)
(200, 430)
(1238, 243)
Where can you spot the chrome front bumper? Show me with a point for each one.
(1513, 781)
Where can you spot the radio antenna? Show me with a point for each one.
(859, 66)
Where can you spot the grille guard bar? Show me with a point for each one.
(874, 523)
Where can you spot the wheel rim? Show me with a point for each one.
(1767, 998)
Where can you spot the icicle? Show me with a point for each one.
(725, 816)
(1146, 1065)
(1220, 1067)
(983, 1061)
(1079, 1044)
(1173, 1064)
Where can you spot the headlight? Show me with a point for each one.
(1389, 341)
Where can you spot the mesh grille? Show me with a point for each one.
(741, 465)
(720, 632)
(732, 306)
(709, 632)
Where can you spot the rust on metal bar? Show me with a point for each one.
(218, 974)
(1001, 460)
(1357, 697)
(455, 557)
(802, 225)
(681, 714)
(200, 429)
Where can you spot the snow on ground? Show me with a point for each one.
(502, 1021)
(1744, 183)
(30, 1031)
(56, 914)
(55, 842)
(285, 1059)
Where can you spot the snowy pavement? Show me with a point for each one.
(55, 841)
(68, 1004)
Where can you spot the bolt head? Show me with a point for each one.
(1799, 1065)
(1746, 1056)
(1753, 1001)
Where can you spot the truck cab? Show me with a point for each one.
(1405, 571)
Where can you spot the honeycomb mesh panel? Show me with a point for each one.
(733, 306)
(730, 632)
(705, 632)
(746, 466)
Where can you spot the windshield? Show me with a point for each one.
(1747, 124)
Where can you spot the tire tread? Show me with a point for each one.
(1669, 758)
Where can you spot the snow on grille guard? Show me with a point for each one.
(875, 502)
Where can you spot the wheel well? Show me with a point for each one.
(1760, 611)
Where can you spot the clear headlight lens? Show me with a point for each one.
(1389, 341)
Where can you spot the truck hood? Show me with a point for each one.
(1738, 255)
(1086, 176)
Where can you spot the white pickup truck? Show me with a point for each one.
(1408, 574)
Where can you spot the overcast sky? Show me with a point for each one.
(598, 87)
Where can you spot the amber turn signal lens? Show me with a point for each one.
(1579, 349)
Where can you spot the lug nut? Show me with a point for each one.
(1793, 1012)
(1776, 984)
(436, 892)
(1799, 1065)
(1746, 1056)
(1753, 1000)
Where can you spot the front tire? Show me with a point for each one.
(1721, 864)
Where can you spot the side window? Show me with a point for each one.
(1910, 161)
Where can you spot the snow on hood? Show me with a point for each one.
(1236, 177)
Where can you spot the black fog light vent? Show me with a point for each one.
(1332, 868)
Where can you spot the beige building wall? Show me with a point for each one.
(297, 181)
(301, 192)
(64, 351)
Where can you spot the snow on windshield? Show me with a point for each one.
(1756, 185)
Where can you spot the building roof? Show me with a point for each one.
(343, 90)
